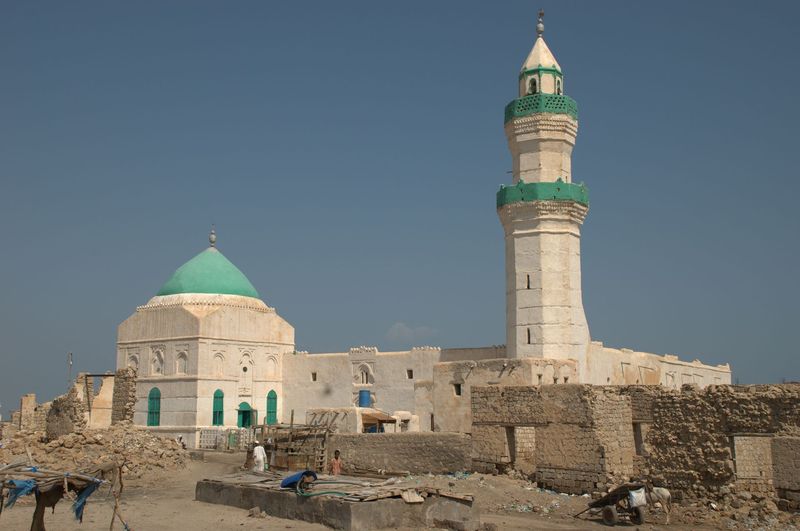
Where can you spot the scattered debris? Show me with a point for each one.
(140, 449)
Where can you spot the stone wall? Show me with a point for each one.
(67, 414)
(574, 438)
(31, 416)
(722, 436)
(123, 401)
(417, 453)
(786, 468)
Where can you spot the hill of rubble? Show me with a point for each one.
(141, 451)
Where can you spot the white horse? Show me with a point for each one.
(662, 496)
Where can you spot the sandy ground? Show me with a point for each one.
(167, 503)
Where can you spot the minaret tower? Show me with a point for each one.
(542, 213)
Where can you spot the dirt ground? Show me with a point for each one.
(167, 503)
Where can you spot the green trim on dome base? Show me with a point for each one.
(209, 272)
(557, 191)
(540, 103)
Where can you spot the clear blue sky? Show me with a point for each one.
(349, 154)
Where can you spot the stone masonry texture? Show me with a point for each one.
(417, 453)
(576, 438)
(124, 398)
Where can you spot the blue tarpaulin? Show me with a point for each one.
(290, 482)
(20, 487)
(83, 495)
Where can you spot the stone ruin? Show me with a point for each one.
(729, 444)
(82, 428)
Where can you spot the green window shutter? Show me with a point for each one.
(217, 417)
(272, 407)
(154, 407)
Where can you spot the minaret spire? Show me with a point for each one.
(212, 237)
(540, 24)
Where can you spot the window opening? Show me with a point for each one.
(540, 379)
(566, 379)
(529, 336)
(457, 389)
(558, 86)
(410, 374)
(533, 88)
(313, 376)
(529, 281)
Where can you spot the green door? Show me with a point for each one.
(154, 407)
(245, 415)
(272, 407)
(217, 417)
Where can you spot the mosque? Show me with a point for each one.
(210, 353)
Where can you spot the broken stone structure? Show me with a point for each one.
(80, 408)
(210, 354)
(711, 442)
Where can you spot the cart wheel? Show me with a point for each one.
(610, 515)
(637, 515)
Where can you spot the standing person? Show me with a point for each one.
(259, 457)
(336, 464)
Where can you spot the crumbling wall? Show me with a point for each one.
(417, 453)
(67, 414)
(696, 435)
(123, 402)
(102, 403)
(576, 438)
(32, 416)
(786, 469)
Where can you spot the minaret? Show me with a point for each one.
(542, 213)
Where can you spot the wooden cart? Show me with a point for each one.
(615, 505)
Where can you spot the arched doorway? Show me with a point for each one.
(247, 416)
(154, 407)
(272, 407)
(217, 417)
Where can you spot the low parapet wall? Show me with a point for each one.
(417, 453)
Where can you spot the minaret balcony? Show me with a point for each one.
(555, 191)
(541, 103)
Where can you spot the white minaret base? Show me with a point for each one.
(544, 312)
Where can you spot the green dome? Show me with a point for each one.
(209, 272)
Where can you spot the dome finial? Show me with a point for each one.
(540, 23)
(212, 237)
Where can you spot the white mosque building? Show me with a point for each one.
(210, 353)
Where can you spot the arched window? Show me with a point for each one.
(133, 362)
(272, 367)
(533, 87)
(245, 374)
(219, 364)
(558, 86)
(272, 407)
(217, 418)
(180, 363)
(158, 363)
(154, 407)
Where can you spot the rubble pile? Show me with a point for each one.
(142, 451)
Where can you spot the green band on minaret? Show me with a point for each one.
(557, 191)
(538, 103)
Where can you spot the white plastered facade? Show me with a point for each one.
(191, 345)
